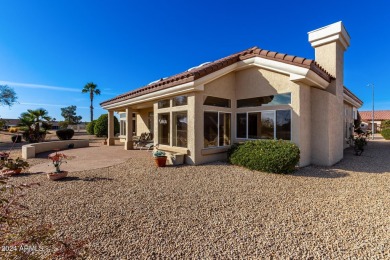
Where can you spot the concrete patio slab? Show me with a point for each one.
(88, 158)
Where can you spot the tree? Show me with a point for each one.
(33, 119)
(69, 113)
(92, 89)
(7, 96)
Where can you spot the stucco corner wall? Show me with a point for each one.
(327, 128)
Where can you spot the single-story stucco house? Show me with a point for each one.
(379, 117)
(252, 94)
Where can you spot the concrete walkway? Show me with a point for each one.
(93, 157)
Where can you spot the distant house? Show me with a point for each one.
(379, 117)
(252, 94)
(9, 122)
(16, 122)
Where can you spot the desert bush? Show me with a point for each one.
(13, 129)
(65, 134)
(276, 156)
(385, 124)
(386, 133)
(90, 127)
(16, 138)
(101, 126)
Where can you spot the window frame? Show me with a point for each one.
(227, 99)
(231, 121)
(169, 128)
(174, 112)
(265, 105)
(173, 101)
(274, 118)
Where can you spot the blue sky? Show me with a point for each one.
(50, 49)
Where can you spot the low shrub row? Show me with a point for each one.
(386, 133)
(276, 156)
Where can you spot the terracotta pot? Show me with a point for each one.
(12, 172)
(57, 176)
(160, 161)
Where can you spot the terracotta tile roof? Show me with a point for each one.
(351, 95)
(379, 115)
(191, 75)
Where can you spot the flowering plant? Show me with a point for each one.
(159, 153)
(57, 159)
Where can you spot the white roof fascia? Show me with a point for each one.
(182, 88)
(351, 101)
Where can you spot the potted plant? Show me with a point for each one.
(12, 167)
(57, 159)
(160, 158)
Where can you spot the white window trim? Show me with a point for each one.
(231, 121)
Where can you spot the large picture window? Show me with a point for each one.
(241, 125)
(216, 129)
(261, 125)
(264, 125)
(283, 124)
(179, 129)
(216, 102)
(279, 99)
(163, 128)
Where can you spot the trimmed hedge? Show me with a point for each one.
(16, 138)
(276, 156)
(65, 134)
(386, 133)
(90, 127)
(101, 126)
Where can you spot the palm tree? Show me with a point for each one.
(92, 89)
(32, 119)
(39, 115)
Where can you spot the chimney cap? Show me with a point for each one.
(330, 33)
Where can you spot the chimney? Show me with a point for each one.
(330, 43)
(327, 107)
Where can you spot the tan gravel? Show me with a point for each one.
(135, 210)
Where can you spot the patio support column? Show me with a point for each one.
(110, 139)
(129, 129)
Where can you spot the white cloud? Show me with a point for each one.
(39, 86)
(36, 86)
(47, 105)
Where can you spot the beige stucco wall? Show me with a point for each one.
(142, 120)
(250, 83)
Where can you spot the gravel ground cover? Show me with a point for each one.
(135, 210)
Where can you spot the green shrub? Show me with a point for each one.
(385, 124)
(101, 126)
(386, 133)
(16, 138)
(65, 134)
(34, 137)
(90, 127)
(276, 156)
